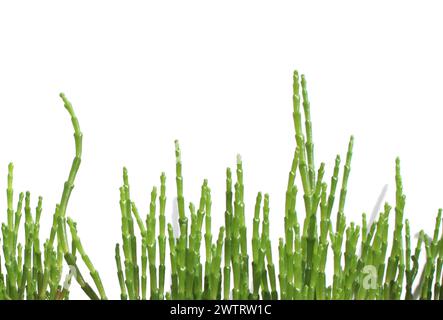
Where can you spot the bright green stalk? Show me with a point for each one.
(263, 247)
(183, 221)
(271, 270)
(282, 269)
(377, 252)
(380, 247)
(18, 216)
(411, 273)
(365, 255)
(438, 275)
(432, 251)
(324, 216)
(298, 260)
(426, 287)
(318, 189)
(435, 239)
(300, 137)
(9, 236)
(151, 244)
(266, 295)
(179, 181)
(42, 291)
(308, 126)
(162, 236)
(94, 274)
(198, 291)
(174, 264)
(27, 275)
(215, 267)
(256, 267)
(236, 256)
(37, 256)
(190, 259)
(408, 261)
(228, 236)
(343, 191)
(240, 213)
(334, 180)
(182, 245)
(144, 245)
(19, 265)
(318, 281)
(337, 289)
(52, 258)
(10, 199)
(291, 178)
(129, 240)
(350, 269)
(321, 290)
(60, 219)
(120, 275)
(238, 245)
(139, 220)
(255, 228)
(364, 230)
(289, 250)
(397, 288)
(208, 243)
(290, 220)
(198, 274)
(310, 227)
(365, 249)
(133, 238)
(126, 238)
(69, 184)
(394, 259)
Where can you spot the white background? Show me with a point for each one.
(217, 76)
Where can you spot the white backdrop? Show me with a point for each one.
(218, 77)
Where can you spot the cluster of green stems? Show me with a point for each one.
(358, 254)
(368, 260)
(30, 273)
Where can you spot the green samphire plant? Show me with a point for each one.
(29, 272)
(368, 260)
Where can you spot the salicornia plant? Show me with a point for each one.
(369, 261)
(31, 273)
